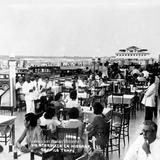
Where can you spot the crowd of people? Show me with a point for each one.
(43, 108)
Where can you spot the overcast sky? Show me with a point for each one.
(78, 27)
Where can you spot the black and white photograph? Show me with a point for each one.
(79, 79)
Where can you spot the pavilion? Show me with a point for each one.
(134, 54)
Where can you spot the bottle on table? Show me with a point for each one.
(15, 154)
(10, 146)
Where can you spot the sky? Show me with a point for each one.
(78, 27)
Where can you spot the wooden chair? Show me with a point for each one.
(115, 132)
(125, 123)
(68, 136)
(69, 133)
(46, 138)
(46, 133)
(5, 133)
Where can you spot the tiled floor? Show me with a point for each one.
(135, 129)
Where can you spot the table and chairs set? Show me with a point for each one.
(117, 107)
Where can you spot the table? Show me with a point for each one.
(127, 99)
(8, 121)
(89, 115)
(5, 155)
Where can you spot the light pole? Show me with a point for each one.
(98, 63)
(12, 75)
(94, 63)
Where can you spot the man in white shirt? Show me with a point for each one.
(38, 87)
(145, 74)
(156, 96)
(48, 83)
(149, 99)
(147, 146)
(28, 89)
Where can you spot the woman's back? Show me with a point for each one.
(33, 135)
(100, 130)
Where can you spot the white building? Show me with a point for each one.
(135, 55)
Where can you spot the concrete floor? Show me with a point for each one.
(135, 128)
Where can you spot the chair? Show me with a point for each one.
(115, 132)
(62, 133)
(5, 134)
(84, 101)
(83, 157)
(134, 104)
(126, 90)
(103, 147)
(46, 138)
(68, 136)
(105, 152)
(63, 114)
(117, 102)
(46, 133)
(125, 123)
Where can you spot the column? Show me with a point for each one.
(12, 75)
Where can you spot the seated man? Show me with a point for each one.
(74, 121)
(147, 146)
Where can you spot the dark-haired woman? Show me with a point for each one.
(58, 102)
(49, 119)
(98, 127)
(32, 133)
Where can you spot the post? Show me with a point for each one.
(94, 62)
(12, 75)
(98, 63)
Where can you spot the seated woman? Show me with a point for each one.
(72, 101)
(98, 127)
(32, 133)
(49, 119)
(58, 102)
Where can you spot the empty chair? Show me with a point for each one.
(125, 123)
(115, 132)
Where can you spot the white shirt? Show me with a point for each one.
(145, 74)
(105, 72)
(19, 86)
(70, 103)
(135, 71)
(157, 84)
(25, 89)
(50, 123)
(136, 151)
(48, 85)
(149, 96)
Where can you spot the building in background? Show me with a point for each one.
(134, 54)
